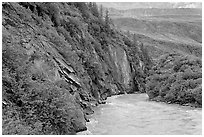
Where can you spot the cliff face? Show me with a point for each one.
(59, 59)
(119, 57)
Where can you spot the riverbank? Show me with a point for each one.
(160, 99)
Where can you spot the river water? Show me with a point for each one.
(135, 115)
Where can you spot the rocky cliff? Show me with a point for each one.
(59, 60)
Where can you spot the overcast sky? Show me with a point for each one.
(132, 5)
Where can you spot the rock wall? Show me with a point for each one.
(121, 62)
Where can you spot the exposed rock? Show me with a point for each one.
(123, 68)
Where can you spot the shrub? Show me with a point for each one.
(164, 90)
(96, 28)
(153, 93)
(178, 83)
(189, 74)
(13, 125)
(170, 97)
(197, 94)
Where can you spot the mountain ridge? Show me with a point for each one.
(132, 5)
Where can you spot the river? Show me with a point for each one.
(135, 115)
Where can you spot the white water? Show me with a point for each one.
(134, 114)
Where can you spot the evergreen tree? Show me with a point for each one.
(94, 10)
(128, 33)
(107, 20)
(134, 39)
(146, 58)
(90, 5)
(82, 6)
(101, 12)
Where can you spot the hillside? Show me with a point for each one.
(58, 61)
(141, 12)
(168, 31)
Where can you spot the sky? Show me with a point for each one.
(133, 5)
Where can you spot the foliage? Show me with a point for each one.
(101, 12)
(107, 20)
(53, 11)
(36, 106)
(94, 9)
(176, 83)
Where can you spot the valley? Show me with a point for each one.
(172, 30)
(68, 65)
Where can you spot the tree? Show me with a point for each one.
(94, 10)
(83, 8)
(90, 5)
(107, 20)
(146, 58)
(134, 39)
(101, 12)
(128, 33)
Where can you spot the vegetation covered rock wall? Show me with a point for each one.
(59, 60)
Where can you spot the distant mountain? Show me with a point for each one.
(133, 5)
(140, 12)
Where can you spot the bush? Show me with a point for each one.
(189, 74)
(13, 125)
(197, 94)
(170, 97)
(179, 83)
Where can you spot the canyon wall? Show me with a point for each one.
(59, 60)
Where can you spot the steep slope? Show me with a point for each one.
(59, 60)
